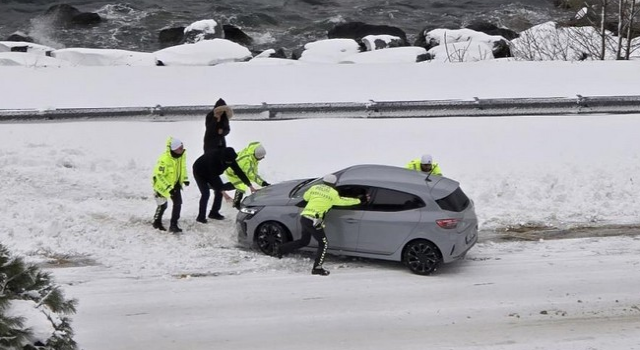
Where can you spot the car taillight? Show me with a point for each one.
(447, 223)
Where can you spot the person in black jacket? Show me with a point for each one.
(207, 170)
(217, 126)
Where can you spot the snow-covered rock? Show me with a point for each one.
(461, 52)
(329, 51)
(377, 42)
(203, 53)
(407, 54)
(205, 29)
(498, 44)
(104, 57)
(272, 61)
(441, 36)
(548, 41)
(25, 46)
(30, 60)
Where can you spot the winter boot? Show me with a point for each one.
(318, 270)
(237, 199)
(174, 228)
(157, 217)
(215, 216)
(157, 224)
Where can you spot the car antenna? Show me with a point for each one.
(429, 174)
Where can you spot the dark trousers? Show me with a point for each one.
(308, 230)
(176, 199)
(205, 185)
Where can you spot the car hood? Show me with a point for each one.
(276, 194)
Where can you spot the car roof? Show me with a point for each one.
(398, 178)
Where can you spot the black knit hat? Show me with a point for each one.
(219, 103)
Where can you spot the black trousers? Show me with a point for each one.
(308, 230)
(205, 185)
(176, 199)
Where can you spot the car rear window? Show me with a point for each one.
(390, 200)
(457, 201)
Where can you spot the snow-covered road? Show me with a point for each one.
(561, 294)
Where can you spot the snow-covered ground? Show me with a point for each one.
(78, 193)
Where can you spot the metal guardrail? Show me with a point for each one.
(373, 109)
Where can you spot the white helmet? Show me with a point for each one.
(426, 159)
(330, 179)
(259, 152)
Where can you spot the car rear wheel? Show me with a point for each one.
(269, 236)
(422, 257)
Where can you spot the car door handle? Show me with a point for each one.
(351, 221)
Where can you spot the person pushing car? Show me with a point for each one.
(320, 199)
(425, 164)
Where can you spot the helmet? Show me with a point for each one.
(259, 152)
(330, 179)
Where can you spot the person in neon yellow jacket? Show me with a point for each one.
(320, 199)
(425, 164)
(169, 174)
(248, 160)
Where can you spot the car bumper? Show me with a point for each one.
(241, 230)
(465, 241)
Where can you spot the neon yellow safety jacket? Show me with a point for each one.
(249, 164)
(169, 171)
(415, 165)
(320, 198)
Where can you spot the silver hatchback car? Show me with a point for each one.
(419, 219)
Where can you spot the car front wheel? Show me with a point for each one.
(270, 235)
(422, 257)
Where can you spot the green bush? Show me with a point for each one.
(25, 282)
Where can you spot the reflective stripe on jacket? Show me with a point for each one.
(415, 165)
(169, 171)
(320, 198)
(249, 165)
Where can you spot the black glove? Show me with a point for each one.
(265, 184)
(186, 183)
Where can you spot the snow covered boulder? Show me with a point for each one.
(407, 54)
(104, 57)
(30, 60)
(273, 61)
(499, 45)
(329, 50)
(461, 52)
(206, 29)
(272, 53)
(19, 36)
(358, 30)
(377, 42)
(549, 41)
(24, 46)
(492, 29)
(202, 53)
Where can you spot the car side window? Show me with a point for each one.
(392, 200)
(353, 191)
